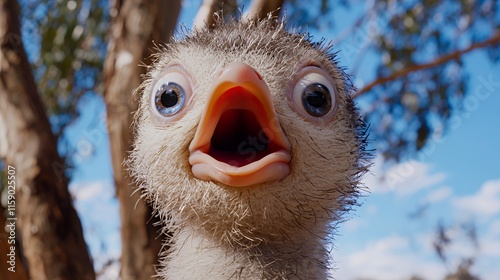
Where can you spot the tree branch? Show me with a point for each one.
(205, 15)
(259, 9)
(438, 61)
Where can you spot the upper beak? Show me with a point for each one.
(239, 141)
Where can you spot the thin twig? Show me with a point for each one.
(438, 61)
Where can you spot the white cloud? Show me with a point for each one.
(399, 257)
(487, 256)
(107, 266)
(389, 258)
(85, 191)
(438, 195)
(403, 178)
(484, 203)
(490, 243)
(110, 272)
(98, 209)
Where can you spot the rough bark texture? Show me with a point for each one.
(50, 230)
(20, 270)
(259, 9)
(205, 15)
(135, 25)
(211, 9)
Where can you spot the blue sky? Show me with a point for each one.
(457, 176)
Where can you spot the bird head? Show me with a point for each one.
(248, 133)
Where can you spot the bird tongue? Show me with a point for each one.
(239, 141)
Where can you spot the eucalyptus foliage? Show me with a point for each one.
(407, 112)
(66, 41)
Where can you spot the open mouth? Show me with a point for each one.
(239, 141)
(238, 138)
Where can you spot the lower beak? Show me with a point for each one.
(239, 141)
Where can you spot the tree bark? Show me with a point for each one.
(21, 272)
(49, 227)
(259, 9)
(135, 25)
(206, 15)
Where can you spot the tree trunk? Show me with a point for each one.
(49, 227)
(20, 272)
(135, 25)
(205, 17)
(259, 9)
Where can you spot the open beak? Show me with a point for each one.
(239, 141)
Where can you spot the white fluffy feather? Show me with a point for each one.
(276, 230)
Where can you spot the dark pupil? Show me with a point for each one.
(317, 100)
(169, 98)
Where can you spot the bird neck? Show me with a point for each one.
(195, 255)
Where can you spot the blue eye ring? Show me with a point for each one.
(170, 95)
(169, 99)
(313, 95)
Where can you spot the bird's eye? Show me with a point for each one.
(169, 99)
(316, 100)
(171, 92)
(313, 93)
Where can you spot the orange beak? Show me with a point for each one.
(239, 141)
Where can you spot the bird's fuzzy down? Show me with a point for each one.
(276, 230)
